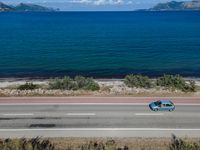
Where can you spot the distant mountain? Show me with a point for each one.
(31, 7)
(4, 7)
(22, 7)
(177, 6)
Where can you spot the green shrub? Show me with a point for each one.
(179, 144)
(138, 81)
(86, 83)
(176, 82)
(69, 84)
(81, 81)
(78, 82)
(27, 86)
(65, 83)
(25, 144)
(108, 145)
(55, 84)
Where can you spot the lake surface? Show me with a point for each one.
(99, 44)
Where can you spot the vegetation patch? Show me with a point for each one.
(176, 82)
(138, 81)
(108, 145)
(164, 86)
(180, 144)
(65, 83)
(78, 83)
(171, 82)
(86, 83)
(28, 86)
(26, 144)
(101, 144)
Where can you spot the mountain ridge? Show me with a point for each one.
(24, 7)
(4, 7)
(177, 6)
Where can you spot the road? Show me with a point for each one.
(97, 120)
(95, 100)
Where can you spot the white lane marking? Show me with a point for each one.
(149, 114)
(100, 129)
(27, 114)
(114, 104)
(80, 114)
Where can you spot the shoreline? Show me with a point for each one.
(108, 88)
(9, 87)
(6, 82)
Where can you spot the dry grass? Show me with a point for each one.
(102, 144)
(104, 92)
(197, 88)
(163, 94)
(26, 144)
(131, 143)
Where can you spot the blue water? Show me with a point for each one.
(99, 44)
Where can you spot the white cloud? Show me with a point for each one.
(130, 2)
(99, 2)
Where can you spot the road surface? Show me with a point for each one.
(95, 100)
(97, 120)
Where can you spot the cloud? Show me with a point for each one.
(130, 2)
(81, 1)
(99, 2)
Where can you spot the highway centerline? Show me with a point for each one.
(25, 114)
(149, 114)
(81, 114)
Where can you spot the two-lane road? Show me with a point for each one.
(89, 120)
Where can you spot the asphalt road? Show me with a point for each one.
(101, 120)
(94, 100)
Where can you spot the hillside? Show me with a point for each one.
(4, 7)
(177, 6)
(31, 7)
(24, 7)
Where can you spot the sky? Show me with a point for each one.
(92, 5)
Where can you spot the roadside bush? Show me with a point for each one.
(91, 85)
(138, 81)
(55, 83)
(179, 144)
(79, 82)
(27, 86)
(68, 84)
(109, 145)
(65, 83)
(25, 144)
(86, 83)
(176, 82)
